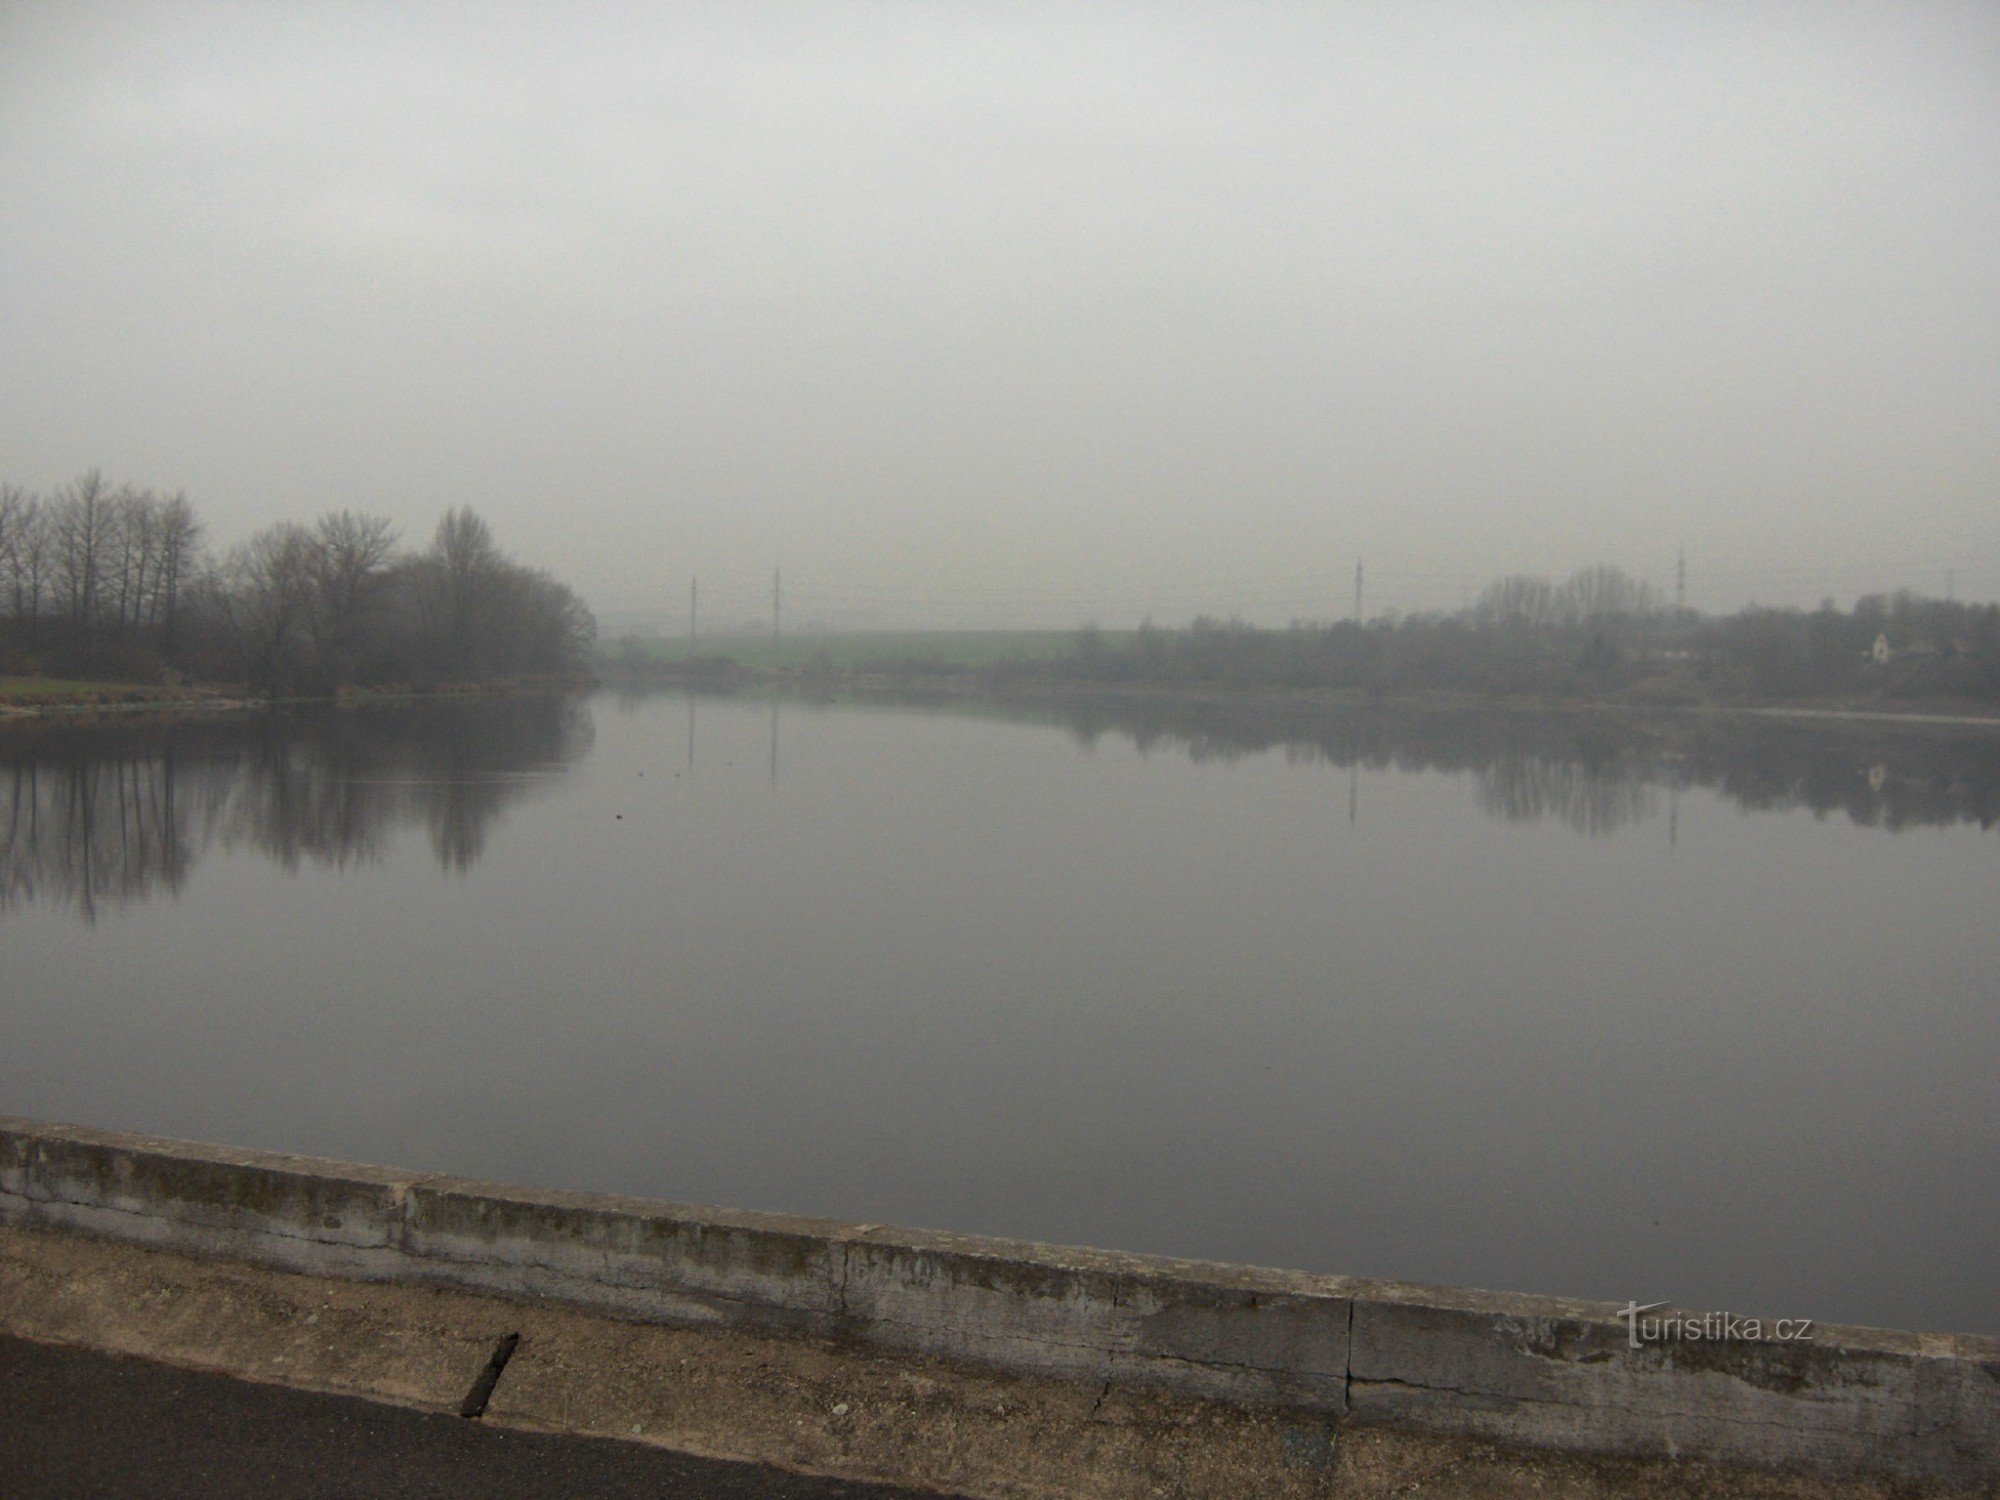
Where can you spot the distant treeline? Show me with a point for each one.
(1597, 635)
(103, 581)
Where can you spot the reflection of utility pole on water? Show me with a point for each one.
(694, 610)
(690, 731)
(1353, 794)
(774, 744)
(774, 604)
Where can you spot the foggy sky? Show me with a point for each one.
(983, 313)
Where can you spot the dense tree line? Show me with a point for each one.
(1934, 648)
(109, 581)
(1596, 634)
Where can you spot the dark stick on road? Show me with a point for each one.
(482, 1389)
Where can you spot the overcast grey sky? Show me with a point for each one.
(1005, 313)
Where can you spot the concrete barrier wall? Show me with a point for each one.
(1538, 1370)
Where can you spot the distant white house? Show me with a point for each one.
(1880, 652)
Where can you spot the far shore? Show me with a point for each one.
(972, 684)
(33, 698)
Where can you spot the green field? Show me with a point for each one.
(855, 650)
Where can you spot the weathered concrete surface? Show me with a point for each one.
(803, 1403)
(1228, 1331)
(1538, 1370)
(1532, 1369)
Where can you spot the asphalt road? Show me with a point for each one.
(77, 1423)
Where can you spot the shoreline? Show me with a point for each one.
(985, 686)
(977, 686)
(223, 703)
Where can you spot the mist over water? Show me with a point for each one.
(1540, 1004)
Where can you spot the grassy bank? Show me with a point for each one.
(973, 662)
(58, 692)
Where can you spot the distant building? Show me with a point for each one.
(1880, 652)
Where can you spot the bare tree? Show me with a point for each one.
(14, 508)
(180, 540)
(264, 597)
(1603, 592)
(78, 521)
(537, 624)
(350, 561)
(461, 573)
(131, 538)
(1520, 600)
(32, 552)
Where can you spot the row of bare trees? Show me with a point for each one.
(96, 557)
(103, 580)
(1588, 596)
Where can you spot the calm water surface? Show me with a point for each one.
(1532, 1004)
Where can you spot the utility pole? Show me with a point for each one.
(1357, 591)
(1681, 581)
(775, 591)
(694, 610)
(1950, 585)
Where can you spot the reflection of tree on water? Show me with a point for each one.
(108, 831)
(1591, 799)
(95, 815)
(1596, 772)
